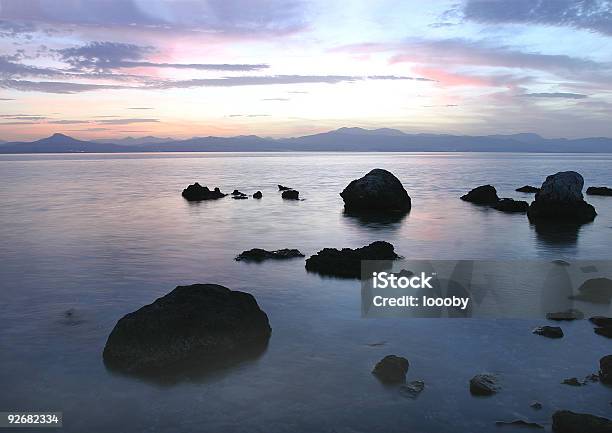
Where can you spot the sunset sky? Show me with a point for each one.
(100, 69)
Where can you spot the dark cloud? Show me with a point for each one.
(11, 68)
(556, 95)
(7, 99)
(140, 108)
(126, 121)
(593, 15)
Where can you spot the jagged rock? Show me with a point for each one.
(377, 191)
(571, 314)
(259, 255)
(201, 320)
(573, 381)
(565, 421)
(239, 195)
(346, 263)
(258, 195)
(604, 331)
(485, 194)
(601, 321)
(605, 369)
(596, 290)
(549, 331)
(520, 423)
(412, 389)
(483, 384)
(391, 369)
(560, 199)
(196, 192)
(283, 188)
(528, 189)
(599, 190)
(510, 205)
(290, 194)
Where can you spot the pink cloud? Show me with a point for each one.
(449, 79)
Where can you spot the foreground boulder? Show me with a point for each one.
(391, 369)
(377, 191)
(605, 369)
(560, 199)
(528, 189)
(485, 194)
(599, 190)
(290, 194)
(197, 192)
(549, 331)
(259, 255)
(201, 320)
(565, 421)
(596, 290)
(346, 263)
(483, 384)
(510, 205)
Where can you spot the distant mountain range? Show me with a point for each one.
(339, 140)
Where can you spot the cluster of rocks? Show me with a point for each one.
(259, 255)
(487, 195)
(603, 325)
(197, 192)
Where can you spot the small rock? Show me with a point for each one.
(290, 194)
(604, 331)
(196, 192)
(592, 378)
(571, 314)
(483, 384)
(565, 421)
(596, 290)
(259, 255)
(535, 405)
(391, 369)
(412, 389)
(510, 205)
(601, 321)
(549, 331)
(605, 369)
(520, 423)
(239, 195)
(561, 263)
(528, 188)
(258, 194)
(485, 194)
(283, 188)
(573, 381)
(377, 191)
(599, 190)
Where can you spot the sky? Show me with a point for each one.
(116, 68)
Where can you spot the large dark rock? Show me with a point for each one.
(196, 192)
(528, 189)
(596, 290)
(259, 255)
(599, 190)
(258, 195)
(601, 321)
(565, 421)
(290, 194)
(485, 194)
(377, 191)
(549, 331)
(560, 199)
(605, 369)
(510, 205)
(346, 263)
(201, 320)
(391, 369)
(483, 384)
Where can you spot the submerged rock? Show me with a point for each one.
(565, 421)
(346, 263)
(571, 314)
(528, 189)
(258, 194)
(377, 191)
(259, 255)
(605, 369)
(560, 199)
(391, 369)
(511, 205)
(201, 320)
(196, 192)
(573, 381)
(519, 423)
(412, 389)
(483, 384)
(599, 190)
(596, 290)
(485, 194)
(549, 331)
(283, 188)
(290, 194)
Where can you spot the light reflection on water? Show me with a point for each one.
(105, 234)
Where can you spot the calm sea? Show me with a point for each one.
(102, 235)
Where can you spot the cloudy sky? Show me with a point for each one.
(113, 68)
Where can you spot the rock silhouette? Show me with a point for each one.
(484, 194)
(391, 369)
(377, 191)
(196, 192)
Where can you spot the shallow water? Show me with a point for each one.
(103, 235)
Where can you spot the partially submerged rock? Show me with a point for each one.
(259, 255)
(605, 369)
(604, 331)
(560, 199)
(258, 195)
(528, 189)
(599, 190)
(571, 314)
(283, 188)
(197, 192)
(595, 290)
(511, 205)
(483, 384)
(549, 331)
(573, 381)
(201, 320)
(290, 194)
(535, 405)
(412, 389)
(391, 369)
(346, 263)
(485, 194)
(377, 191)
(239, 195)
(565, 421)
(601, 321)
(519, 423)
